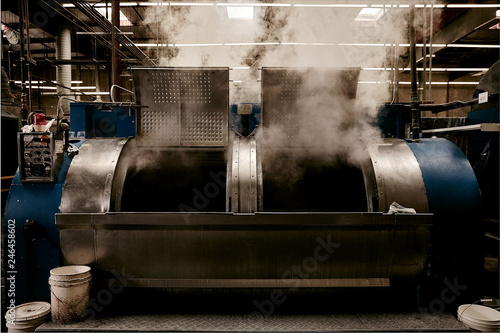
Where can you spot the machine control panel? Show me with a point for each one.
(37, 157)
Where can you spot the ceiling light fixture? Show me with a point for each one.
(124, 21)
(240, 13)
(251, 44)
(253, 4)
(322, 44)
(181, 45)
(434, 83)
(469, 5)
(369, 14)
(331, 5)
(200, 4)
(93, 93)
(427, 56)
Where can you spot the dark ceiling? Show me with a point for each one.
(466, 26)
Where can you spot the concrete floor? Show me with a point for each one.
(396, 322)
(160, 310)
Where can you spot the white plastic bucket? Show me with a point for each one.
(27, 317)
(69, 293)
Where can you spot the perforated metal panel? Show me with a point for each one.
(288, 91)
(182, 106)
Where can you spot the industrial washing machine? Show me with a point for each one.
(189, 204)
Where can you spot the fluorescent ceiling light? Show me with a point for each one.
(94, 93)
(122, 4)
(181, 45)
(251, 44)
(124, 21)
(152, 45)
(434, 83)
(191, 4)
(361, 44)
(478, 46)
(427, 56)
(40, 82)
(427, 69)
(240, 13)
(55, 88)
(330, 5)
(369, 14)
(321, 44)
(44, 87)
(466, 69)
(429, 6)
(469, 5)
(252, 4)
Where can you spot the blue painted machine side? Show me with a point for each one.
(452, 187)
(33, 258)
(90, 120)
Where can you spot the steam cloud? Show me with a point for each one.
(334, 125)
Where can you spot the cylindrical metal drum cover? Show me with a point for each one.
(398, 176)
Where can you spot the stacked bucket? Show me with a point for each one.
(69, 299)
(479, 317)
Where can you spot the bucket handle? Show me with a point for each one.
(81, 299)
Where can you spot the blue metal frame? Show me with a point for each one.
(451, 185)
(88, 121)
(34, 259)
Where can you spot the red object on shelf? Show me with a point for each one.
(39, 119)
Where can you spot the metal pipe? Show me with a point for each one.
(80, 24)
(436, 108)
(115, 64)
(431, 32)
(22, 60)
(63, 72)
(424, 54)
(88, 10)
(415, 112)
(28, 55)
(111, 92)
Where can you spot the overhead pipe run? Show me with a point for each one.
(88, 9)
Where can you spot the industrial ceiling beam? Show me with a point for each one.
(462, 26)
(107, 26)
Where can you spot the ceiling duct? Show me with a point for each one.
(100, 20)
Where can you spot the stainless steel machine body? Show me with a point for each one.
(192, 207)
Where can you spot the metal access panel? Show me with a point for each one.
(37, 157)
(225, 250)
(182, 106)
(287, 91)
